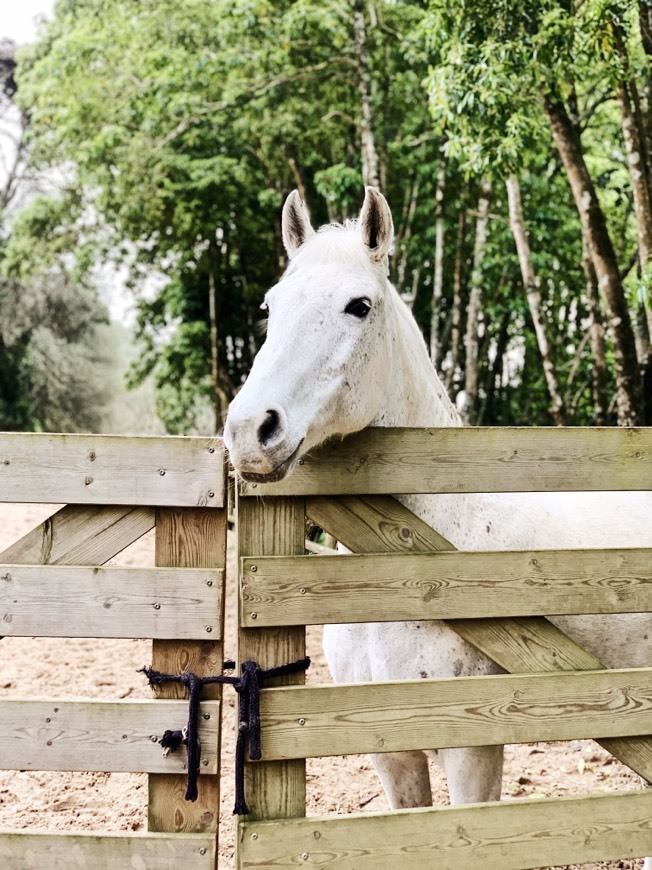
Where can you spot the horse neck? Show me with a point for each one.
(417, 397)
(415, 394)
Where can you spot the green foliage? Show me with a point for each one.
(187, 125)
(183, 126)
(58, 368)
(50, 380)
(339, 185)
(492, 65)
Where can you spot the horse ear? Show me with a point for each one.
(376, 224)
(295, 223)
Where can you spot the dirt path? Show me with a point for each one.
(68, 668)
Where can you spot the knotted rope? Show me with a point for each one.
(248, 687)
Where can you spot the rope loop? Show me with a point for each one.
(248, 686)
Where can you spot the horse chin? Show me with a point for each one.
(276, 474)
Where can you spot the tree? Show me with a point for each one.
(474, 310)
(531, 284)
(190, 130)
(54, 375)
(196, 120)
(492, 69)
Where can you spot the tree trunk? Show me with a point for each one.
(402, 239)
(298, 180)
(221, 401)
(370, 161)
(629, 397)
(638, 170)
(474, 309)
(645, 26)
(416, 274)
(633, 127)
(438, 273)
(636, 123)
(386, 125)
(596, 339)
(644, 342)
(452, 373)
(493, 381)
(531, 284)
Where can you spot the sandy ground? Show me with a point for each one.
(67, 668)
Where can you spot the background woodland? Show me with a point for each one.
(157, 141)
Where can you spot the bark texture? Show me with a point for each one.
(636, 123)
(370, 162)
(474, 309)
(221, 400)
(452, 373)
(531, 284)
(629, 397)
(438, 274)
(596, 340)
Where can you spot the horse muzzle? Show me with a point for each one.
(260, 446)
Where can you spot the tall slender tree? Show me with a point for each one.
(531, 284)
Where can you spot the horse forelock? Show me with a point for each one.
(338, 245)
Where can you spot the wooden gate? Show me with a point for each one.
(117, 489)
(51, 584)
(554, 689)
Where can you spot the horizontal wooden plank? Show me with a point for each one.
(310, 721)
(485, 459)
(65, 601)
(101, 735)
(89, 851)
(303, 590)
(112, 470)
(507, 836)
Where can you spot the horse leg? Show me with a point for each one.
(647, 864)
(405, 778)
(474, 774)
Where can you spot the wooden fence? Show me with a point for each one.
(116, 489)
(342, 489)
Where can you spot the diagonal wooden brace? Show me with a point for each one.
(381, 524)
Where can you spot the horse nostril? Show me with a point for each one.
(269, 428)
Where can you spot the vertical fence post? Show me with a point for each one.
(185, 538)
(273, 526)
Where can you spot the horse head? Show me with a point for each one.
(325, 364)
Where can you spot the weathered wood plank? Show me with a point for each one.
(526, 644)
(100, 735)
(81, 535)
(533, 640)
(64, 601)
(473, 460)
(306, 722)
(87, 851)
(111, 469)
(275, 789)
(380, 588)
(376, 524)
(508, 836)
(518, 645)
(188, 539)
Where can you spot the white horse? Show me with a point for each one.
(343, 352)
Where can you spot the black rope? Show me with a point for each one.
(248, 687)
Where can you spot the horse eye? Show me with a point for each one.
(358, 307)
